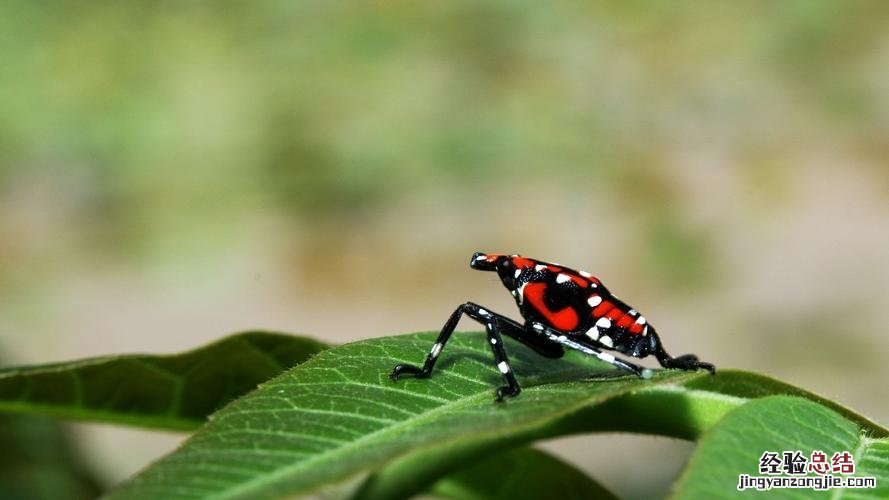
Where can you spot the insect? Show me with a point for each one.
(562, 308)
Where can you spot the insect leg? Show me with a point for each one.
(512, 386)
(563, 339)
(446, 331)
(470, 309)
(684, 362)
(494, 324)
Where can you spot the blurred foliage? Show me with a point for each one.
(164, 111)
(39, 462)
(143, 130)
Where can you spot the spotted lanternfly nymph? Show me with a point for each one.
(562, 308)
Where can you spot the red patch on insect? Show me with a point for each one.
(602, 308)
(614, 314)
(565, 319)
(521, 262)
(625, 321)
(491, 257)
(636, 328)
(581, 282)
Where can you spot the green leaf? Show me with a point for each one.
(754, 385)
(336, 425)
(332, 423)
(780, 423)
(172, 391)
(519, 473)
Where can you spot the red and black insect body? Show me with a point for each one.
(562, 308)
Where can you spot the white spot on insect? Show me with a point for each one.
(594, 285)
(537, 326)
(482, 311)
(594, 300)
(633, 312)
(604, 356)
(436, 350)
(563, 278)
(640, 320)
(504, 368)
(585, 274)
(604, 323)
(562, 338)
(606, 341)
(593, 333)
(493, 341)
(518, 272)
(540, 267)
(481, 257)
(645, 331)
(522, 293)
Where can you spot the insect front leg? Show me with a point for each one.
(494, 323)
(468, 308)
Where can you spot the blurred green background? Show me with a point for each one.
(174, 171)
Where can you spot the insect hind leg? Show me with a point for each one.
(563, 339)
(684, 362)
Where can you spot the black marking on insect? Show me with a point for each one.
(562, 308)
